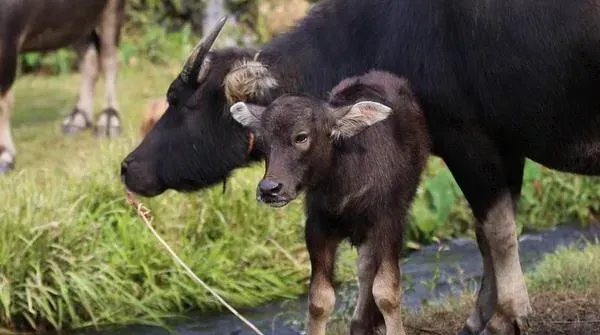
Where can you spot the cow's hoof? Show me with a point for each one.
(76, 122)
(109, 124)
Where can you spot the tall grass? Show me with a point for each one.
(73, 253)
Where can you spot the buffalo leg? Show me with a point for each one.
(7, 146)
(321, 295)
(486, 297)
(367, 316)
(8, 69)
(109, 123)
(491, 182)
(81, 116)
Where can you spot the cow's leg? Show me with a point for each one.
(491, 180)
(109, 123)
(81, 116)
(321, 295)
(8, 71)
(367, 316)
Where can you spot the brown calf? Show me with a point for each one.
(360, 176)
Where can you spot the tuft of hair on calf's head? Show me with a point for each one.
(248, 79)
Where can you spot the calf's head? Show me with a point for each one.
(300, 135)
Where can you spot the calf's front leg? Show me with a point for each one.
(386, 291)
(321, 296)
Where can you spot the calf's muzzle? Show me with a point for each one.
(269, 192)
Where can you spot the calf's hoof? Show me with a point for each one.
(75, 123)
(109, 124)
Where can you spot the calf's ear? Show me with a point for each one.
(350, 121)
(247, 115)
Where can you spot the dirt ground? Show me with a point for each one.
(555, 313)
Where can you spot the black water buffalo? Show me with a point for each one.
(498, 81)
(359, 157)
(34, 25)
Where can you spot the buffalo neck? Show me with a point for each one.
(332, 42)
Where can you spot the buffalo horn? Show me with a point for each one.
(197, 55)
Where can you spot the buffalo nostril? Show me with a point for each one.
(267, 186)
(124, 167)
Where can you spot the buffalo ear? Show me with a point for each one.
(248, 115)
(350, 121)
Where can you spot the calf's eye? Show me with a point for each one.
(301, 138)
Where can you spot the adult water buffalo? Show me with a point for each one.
(34, 25)
(498, 80)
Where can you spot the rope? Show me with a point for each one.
(146, 216)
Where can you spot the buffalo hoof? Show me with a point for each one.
(109, 124)
(6, 167)
(7, 162)
(518, 327)
(76, 122)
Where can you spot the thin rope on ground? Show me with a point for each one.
(146, 216)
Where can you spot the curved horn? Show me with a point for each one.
(200, 50)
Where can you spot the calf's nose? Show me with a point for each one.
(269, 187)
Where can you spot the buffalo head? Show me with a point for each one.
(196, 143)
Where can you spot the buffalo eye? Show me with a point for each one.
(301, 138)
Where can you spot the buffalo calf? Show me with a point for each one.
(360, 176)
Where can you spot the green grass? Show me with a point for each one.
(567, 269)
(73, 254)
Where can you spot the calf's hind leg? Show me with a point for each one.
(367, 318)
(379, 300)
(8, 68)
